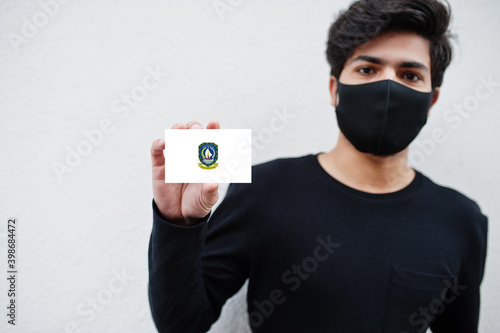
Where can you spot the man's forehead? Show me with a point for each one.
(395, 47)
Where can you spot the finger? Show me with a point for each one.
(194, 124)
(157, 158)
(213, 124)
(179, 126)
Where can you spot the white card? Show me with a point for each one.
(208, 156)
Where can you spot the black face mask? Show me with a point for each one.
(383, 117)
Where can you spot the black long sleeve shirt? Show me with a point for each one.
(323, 257)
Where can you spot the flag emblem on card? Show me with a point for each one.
(208, 153)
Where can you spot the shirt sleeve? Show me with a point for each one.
(194, 270)
(460, 309)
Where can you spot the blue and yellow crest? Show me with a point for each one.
(208, 154)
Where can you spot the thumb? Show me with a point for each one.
(210, 194)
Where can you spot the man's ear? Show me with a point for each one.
(434, 100)
(333, 91)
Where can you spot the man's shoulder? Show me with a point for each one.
(276, 173)
(451, 199)
(448, 193)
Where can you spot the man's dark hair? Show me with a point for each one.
(366, 19)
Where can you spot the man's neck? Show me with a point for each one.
(367, 172)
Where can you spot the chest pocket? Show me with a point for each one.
(414, 300)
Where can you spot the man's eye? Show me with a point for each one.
(365, 70)
(412, 77)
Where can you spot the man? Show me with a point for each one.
(353, 240)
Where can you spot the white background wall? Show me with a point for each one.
(80, 229)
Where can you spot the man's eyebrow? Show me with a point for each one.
(379, 61)
(413, 64)
(371, 59)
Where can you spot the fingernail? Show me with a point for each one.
(196, 126)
